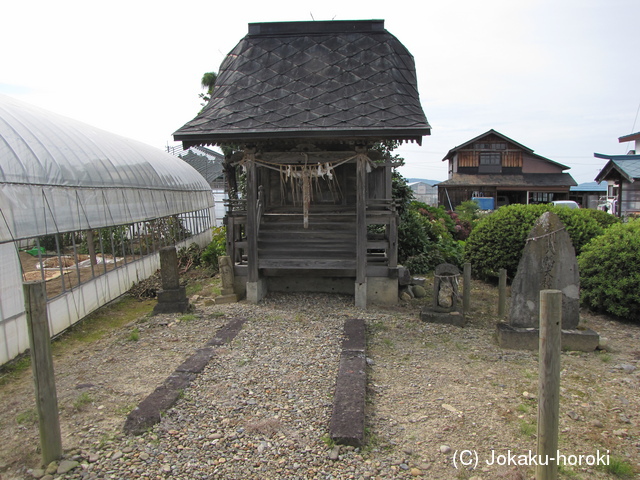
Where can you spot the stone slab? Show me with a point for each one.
(449, 318)
(548, 262)
(354, 335)
(196, 362)
(519, 338)
(347, 419)
(227, 333)
(149, 411)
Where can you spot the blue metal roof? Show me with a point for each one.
(590, 187)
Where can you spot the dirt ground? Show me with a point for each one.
(434, 391)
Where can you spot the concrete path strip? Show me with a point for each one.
(148, 413)
(347, 419)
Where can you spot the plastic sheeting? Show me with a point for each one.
(60, 175)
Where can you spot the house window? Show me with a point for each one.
(489, 158)
(540, 197)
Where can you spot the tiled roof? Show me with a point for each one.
(327, 80)
(538, 180)
(207, 162)
(627, 165)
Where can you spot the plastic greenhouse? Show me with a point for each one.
(85, 211)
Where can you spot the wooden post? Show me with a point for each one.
(466, 293)
(502, 293)
(549, 383)
(252, 219)
(35, 301)
(361, 230)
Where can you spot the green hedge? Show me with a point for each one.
(610, 271)
(498, 240)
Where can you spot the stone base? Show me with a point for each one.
(518, 338)
(360, 294)
(229, 298)
(450, 318)
(256, 291)
(172, 301)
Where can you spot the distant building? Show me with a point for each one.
(588, 195)
(208, 163)
(425, 192)
(492, 165)
(621, 173)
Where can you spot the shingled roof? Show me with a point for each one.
(329, 80)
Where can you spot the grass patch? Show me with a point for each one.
(387, 342)
(193, 288)
(328, 441)
(12, 370)
(134, 336)
(187, 317)
(567, 472)
(604, 357)
(102, 322)
(527, 429)
(125, 410)
(619, 467)
(28, 417)
(82, 401)
(522, 408)
(377, 327)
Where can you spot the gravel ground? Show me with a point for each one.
(261, 408)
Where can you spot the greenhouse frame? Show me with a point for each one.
(86, 211)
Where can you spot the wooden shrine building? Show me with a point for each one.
(301, 108)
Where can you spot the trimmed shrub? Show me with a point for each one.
(498, 239)
(610, 271)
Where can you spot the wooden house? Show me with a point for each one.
(302, 109)
(495, 166)
(622, 173)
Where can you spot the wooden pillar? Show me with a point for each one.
(35, 301)
(549, 383)
(252, 227)
(361, 229)
(393, 241)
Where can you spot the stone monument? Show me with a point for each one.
(228, 294)
(444, 308)
(547, 263)
(172, 298)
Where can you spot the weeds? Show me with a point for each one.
(82, 401)
(28, 417)
(328, 441)
(134, 336)
(13, 369)
(619, 467)
(527, 429)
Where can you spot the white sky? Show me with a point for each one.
(559, 76)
